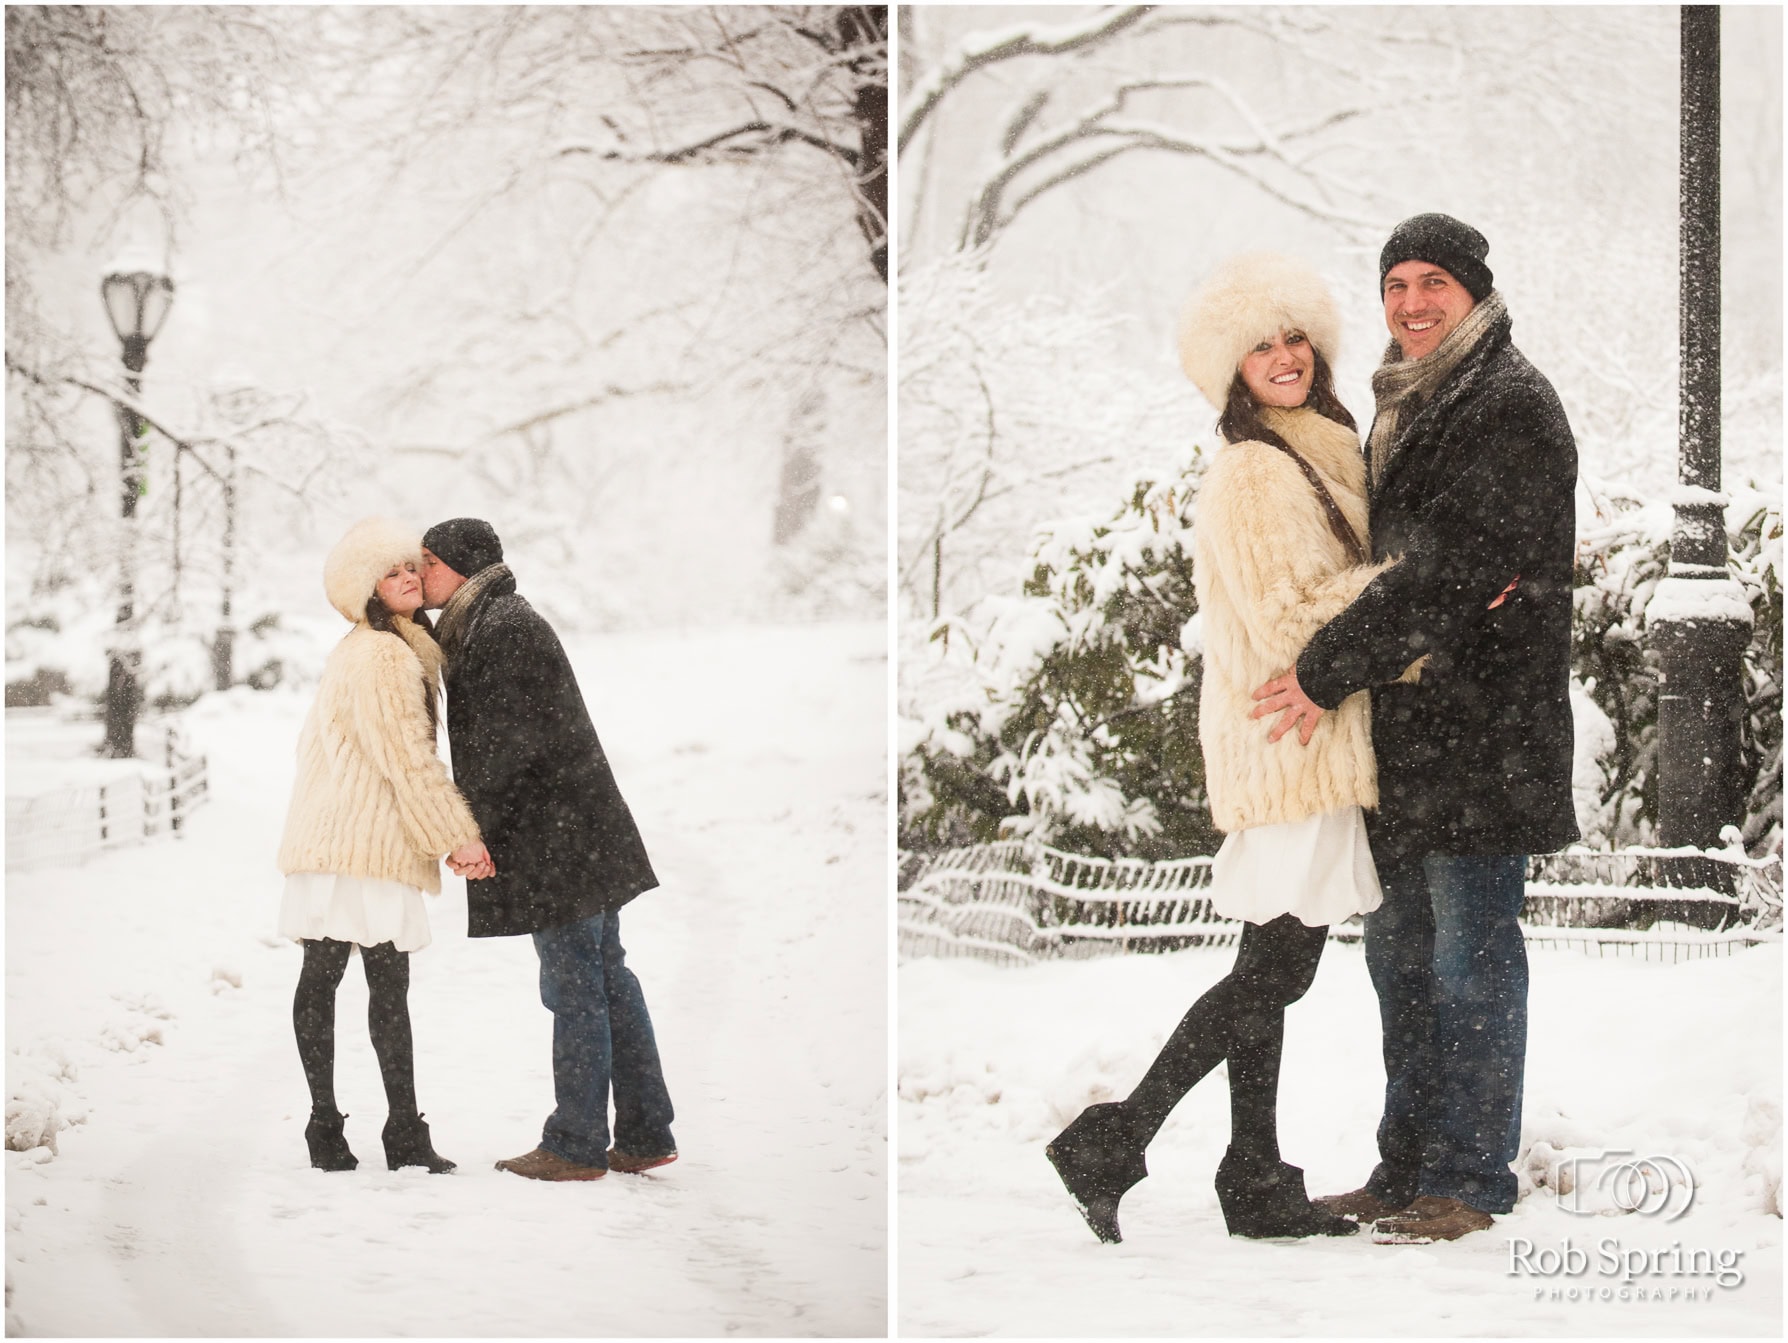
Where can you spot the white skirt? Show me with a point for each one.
(1319, 868)
(364, 910)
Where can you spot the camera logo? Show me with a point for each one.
(1616, 1180)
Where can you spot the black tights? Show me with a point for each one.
(387, 1019)
(1240, 1018)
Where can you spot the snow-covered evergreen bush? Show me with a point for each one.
(1622, 554)
(1623, 551)
(1757, 567)
(1077, 721)
(1073, 717)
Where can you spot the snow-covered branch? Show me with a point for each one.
(986, 49)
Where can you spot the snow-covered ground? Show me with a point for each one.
(1678, 1061)
(148, 1000)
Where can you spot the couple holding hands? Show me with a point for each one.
(532, 818)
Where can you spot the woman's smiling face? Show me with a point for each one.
(1277, 372)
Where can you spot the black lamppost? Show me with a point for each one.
(137, 303)
(1699, 618)
(224, 649)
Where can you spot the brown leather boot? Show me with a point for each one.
(1360, 1204)
(1429, 1219)
(541, 1164)
(629, 1163)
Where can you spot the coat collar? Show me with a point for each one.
(462, 609)
(1455, 389)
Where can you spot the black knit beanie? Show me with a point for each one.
(1440, 240)
(464, 545)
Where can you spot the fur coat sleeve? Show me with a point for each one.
(372, 798)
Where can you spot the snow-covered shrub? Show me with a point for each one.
(1622, 554)
(1757, 567)
(833, 569)
(40, 1101)
(57, 645)
(1077, 723)
(1075, 718)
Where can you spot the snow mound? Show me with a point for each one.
(40, 1099)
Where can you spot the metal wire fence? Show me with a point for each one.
(1018, 902)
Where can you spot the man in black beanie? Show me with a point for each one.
(565, 851)
(1472, 471)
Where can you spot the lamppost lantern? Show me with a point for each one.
(137, 302)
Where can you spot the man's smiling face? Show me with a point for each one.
(1422, 305)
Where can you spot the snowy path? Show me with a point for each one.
(183, 1205)
(1663, 1060)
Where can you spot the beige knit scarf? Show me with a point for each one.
(1401, 387)
(452, 626)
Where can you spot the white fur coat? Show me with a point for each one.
(1269, 573)
(372, 799)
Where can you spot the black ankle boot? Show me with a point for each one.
(328, 1143)
(407, 1144)
(1264, 1199)
(1098, 1159)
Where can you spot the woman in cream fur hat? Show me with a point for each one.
(372, 813)
(1280, 547)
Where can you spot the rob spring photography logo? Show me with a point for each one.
(1609, 1183)
(1618, 1181)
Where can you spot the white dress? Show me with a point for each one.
(363, 910)
(1319, 868)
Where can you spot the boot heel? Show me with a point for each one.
(1098, 1160)
(407, 1144)
(1266, 1200)
(328, 1141)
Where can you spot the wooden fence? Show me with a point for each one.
(72, 824)
(1018, 902)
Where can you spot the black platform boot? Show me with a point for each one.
(407, 1144)
(1264, 1199)
(327, 1141)
(1098, 1159)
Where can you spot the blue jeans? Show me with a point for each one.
(602, 1035)
(1446, 957)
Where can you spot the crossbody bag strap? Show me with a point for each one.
(1338, 523)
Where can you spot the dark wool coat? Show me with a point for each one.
(1476, 757)
(526, 756)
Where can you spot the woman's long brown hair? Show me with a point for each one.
(380, 616)
(1241, 423)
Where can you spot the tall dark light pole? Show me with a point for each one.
(137, 303)
(223, 651)
(1699, 618)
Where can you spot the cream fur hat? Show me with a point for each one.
(1248, 299)
(364, 556)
